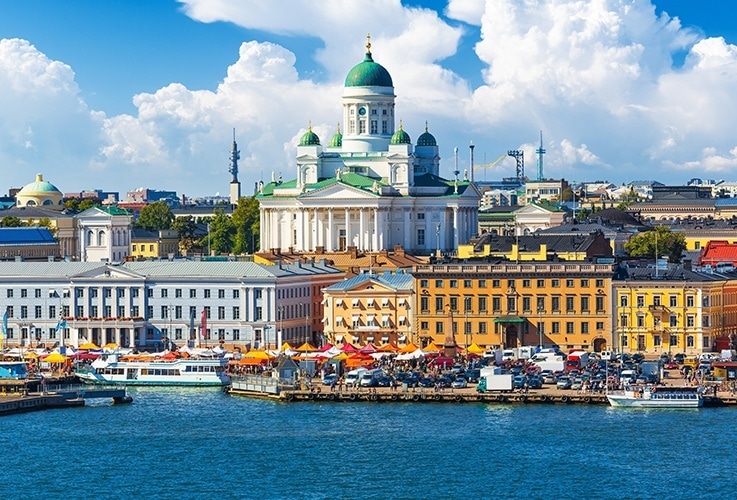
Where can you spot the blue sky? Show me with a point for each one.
(120, 94)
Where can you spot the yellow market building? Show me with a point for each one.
(567, 304)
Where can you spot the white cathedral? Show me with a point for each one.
(370, 188)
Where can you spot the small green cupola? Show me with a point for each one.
(426, 139)
(337, 140)
(310, 138)
(400, 136)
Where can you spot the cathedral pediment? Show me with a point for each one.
(338, 190)
(109, 272)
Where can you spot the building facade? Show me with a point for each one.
(370, 308)
(509, 305)
(138, 304)
(673, 310)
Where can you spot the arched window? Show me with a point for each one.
(48, 202)
(101, 238)
(88, 238)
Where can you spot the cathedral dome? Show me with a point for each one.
(401, 137)
(337, 140)
(40, 193)
(426, 139)
(368, 73)
(310, 138)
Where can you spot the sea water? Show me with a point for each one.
(200, 443)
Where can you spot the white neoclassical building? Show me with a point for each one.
(104, 234)
(370, 187)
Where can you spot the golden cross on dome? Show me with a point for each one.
(368, 43)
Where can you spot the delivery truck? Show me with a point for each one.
(492, 382)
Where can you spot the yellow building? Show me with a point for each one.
(509, 305)
(369, 307)
(154, 244)
(672, 310)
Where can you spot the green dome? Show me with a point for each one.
(40, 186)
(310, 138)
(401, 137)
(426, 139)
(337, 140)
(368, 74)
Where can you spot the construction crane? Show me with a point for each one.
(519, 157)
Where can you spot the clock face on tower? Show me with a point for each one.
(361, 111)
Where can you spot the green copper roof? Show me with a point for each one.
(309, 139)
(401, 137)
(337, 140)
(368, 74)
(40, 186)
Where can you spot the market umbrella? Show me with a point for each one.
(349, 348)
(286, 346)
(257, 355)
(252, 361)
(388, 348)
(326, 347)
(55, 357)
(475, 349)
(307, 347)
(408, 348)
(109, 345)
(368, 349)
(432, 347)
(341, 357)
(88, 345)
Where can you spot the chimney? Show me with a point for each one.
(686, 264)
(399, 250)
(353, 252)
(319, 250)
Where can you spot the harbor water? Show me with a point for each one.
(200, 443)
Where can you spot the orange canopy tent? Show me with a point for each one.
(475, 349)
(388, 348)
(432, 347)
(408, 348)
(306, 347)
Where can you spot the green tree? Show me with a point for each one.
(88, 203)
(668, 243)
(155, 217)
(222, 233)
(72, 204)
(185, 227)
(46, 222)
(247, 225)
(10, 221)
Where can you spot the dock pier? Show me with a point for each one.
(60, 397)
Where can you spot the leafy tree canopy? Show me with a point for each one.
(155, 217)
(668, 243)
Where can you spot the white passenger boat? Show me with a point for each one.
(163, 372)
(656, 397)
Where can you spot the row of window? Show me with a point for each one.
(640, 321)
(542, 304)
(511, 283)
(657, 300)
(482, 327)
(673, 341)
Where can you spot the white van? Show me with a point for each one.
(606, 355)
(628, 376)
(370, 378)
(353, 377)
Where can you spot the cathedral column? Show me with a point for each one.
(262, 233)
(361, 229)
(317, 236)
(331, 232)
(375, 236)
(442, 230)
(348, 227)
(455, 228)
(300, 229)
(408, 230)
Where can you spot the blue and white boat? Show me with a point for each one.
(656, 397)
(110, 370)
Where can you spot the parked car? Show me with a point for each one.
(427, 382)
(459, 383)
(577, 383)
(444, 381)
(563, 382)
(329, 379)
(548, 377)
(472, 375)
(535, 382)
(679, 358)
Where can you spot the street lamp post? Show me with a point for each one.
(539, 326)
(280, 311)
(208, 239)
(437, 240)
(168, 332)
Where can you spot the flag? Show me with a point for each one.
(61, 325)
(4, 328)
(204, 323)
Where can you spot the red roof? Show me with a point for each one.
(717, 252)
